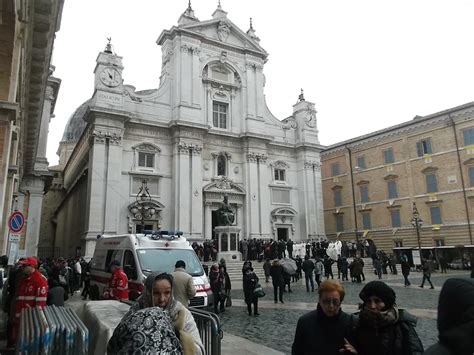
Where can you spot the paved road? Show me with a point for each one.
(277, 322)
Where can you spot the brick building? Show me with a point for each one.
(371, 182)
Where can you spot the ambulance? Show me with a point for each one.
(142, 254)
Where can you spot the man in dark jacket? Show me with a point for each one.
(455, 319)
(327, 329)
(276, 272)
(308, 267)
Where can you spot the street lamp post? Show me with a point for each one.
(143, 208)
(417, 223)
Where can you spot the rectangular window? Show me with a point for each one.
(471, 176)
(398, 243)
(280, 196)
(423, 147)
(337, 197)
(146, 160)
(431, 183)
(361, 162)
(279, 174)
(339, 222)
(219, 114)
(335, 169)
(395, 216)
(388, 156)
(468, 136)
(435, 212)
(366, 221)
(392, 189)
(364, 193)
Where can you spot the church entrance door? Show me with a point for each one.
(282, 234)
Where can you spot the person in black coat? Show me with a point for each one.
(308, 267)
(383, 328)
(276, 272)
(55, 293)
(250, 280)
(216, 279)
(326, 330)
(455, 319)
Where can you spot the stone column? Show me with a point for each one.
(196, 84)
(41, 163)
(196, 198)
(96, 190)
(264, 196)
(186, 74)
(182, 187)
(252, 200)
(35, 188)
(208, 220)
(114, 174)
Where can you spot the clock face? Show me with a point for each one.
(310, 119)
(110, 77)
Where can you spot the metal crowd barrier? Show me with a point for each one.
(209, 329)
(52, 330)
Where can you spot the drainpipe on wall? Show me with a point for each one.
(353, 196)
(462, 177)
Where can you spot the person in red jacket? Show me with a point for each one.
(32, 290)
(118, 283)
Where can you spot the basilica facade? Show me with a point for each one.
(166, 157)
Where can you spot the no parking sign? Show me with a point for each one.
(16, 222)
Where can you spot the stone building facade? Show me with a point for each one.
(28, 93)
(204, 133)
(371, 182)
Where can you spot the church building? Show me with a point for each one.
(166, 157)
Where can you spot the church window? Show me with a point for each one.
(280, 175)
(220, 113)
(146, 160)
(221, 165)
(146, 157)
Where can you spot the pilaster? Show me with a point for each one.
(34, 186)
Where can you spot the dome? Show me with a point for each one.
(76, 124)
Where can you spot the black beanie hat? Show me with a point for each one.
(379, 289)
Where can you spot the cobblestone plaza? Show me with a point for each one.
(275, 327)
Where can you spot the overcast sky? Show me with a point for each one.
(366, 64)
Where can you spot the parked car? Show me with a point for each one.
(459, 264)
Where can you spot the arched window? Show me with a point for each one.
(221, 165)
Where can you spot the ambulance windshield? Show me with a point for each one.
(165, 259)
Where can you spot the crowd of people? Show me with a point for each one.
(379, 327)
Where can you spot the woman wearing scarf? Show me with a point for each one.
(216, 279)
(383, 328)
(159, 293)
(250, 280)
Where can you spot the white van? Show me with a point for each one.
(141, 254)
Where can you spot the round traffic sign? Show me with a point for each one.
(16, 222)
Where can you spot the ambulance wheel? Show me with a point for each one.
(94, 293)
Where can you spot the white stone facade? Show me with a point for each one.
(205, 132)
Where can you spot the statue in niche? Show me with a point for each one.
(225, 215)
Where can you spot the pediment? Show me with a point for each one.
(223, 186)
(225, 31)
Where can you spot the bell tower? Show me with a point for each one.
(108, 83)
(304, 114)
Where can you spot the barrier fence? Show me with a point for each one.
(209, 329)
(51, 330)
